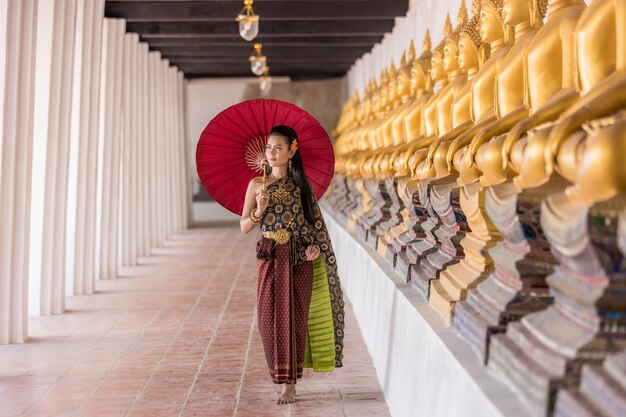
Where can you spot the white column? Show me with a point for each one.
(182, 195)
(16, 165)
(53, 98)
(162, 65)
(130, 43)
(178, 223)
(113, 259)
(188, 158)
(138, 160)
(152, 75)
(110, 129)
(171, 139)
(145, 174)
(88, 81)
(104, 144)
(132, 244)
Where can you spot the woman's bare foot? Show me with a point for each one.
(288, 395)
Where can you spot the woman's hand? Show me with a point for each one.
(312, 253)
(262, 199)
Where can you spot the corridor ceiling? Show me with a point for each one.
(302, 39)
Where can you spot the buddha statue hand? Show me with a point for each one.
(432, 149)
(511, 139)
(456, 145)
(567, 124)
(480, 138)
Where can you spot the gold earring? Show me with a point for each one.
(290, 165)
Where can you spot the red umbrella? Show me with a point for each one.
(232, 147)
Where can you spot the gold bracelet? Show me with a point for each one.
(253, 218)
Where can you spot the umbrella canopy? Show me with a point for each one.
(232, 147)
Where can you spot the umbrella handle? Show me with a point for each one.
(264, 174)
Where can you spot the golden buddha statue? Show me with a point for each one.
(597, 171)
(420, 90)
(584, 222)
(393, 103)
(440, 108)
(526, 17)
(395, 126)
(472, 53)
(405, 93)
(428, 129)
(497, 34)
(551, 90)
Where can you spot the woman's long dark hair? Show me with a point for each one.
(297, 171)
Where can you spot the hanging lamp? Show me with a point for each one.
(265, 84)
(248, 21)
(259, 61)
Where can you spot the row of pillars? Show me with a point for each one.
(92, 162)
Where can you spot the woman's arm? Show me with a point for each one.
(251, 203)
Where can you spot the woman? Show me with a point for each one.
(300, 304)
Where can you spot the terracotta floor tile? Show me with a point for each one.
(171, 336)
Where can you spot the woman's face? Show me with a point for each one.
(277, 150)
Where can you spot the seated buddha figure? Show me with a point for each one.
(551, 90)
(471, 51)
(594, 162)
(497, 33)
(357, 147)
(511, 92)
(421, 89)
(375, 130)
(449, 78)
(586, 321)
(395, 128)
(368, 133)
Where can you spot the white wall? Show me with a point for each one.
(206, 98)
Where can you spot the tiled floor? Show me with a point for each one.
(175, 336)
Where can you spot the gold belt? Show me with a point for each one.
(280, 236)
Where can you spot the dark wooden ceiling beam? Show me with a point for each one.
(268, 10)
(235, 41)
(277, 29)
(270, 51)
(274, 61)
(303, 39)
(275, 69)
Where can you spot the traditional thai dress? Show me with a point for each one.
(300, 302)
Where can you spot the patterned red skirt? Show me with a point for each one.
(283, 298)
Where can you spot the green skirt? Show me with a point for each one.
(320, 344)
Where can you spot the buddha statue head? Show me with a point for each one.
(451, 45)
(392, 87)
(404, 74)
(383, 94)
(492, 26)
(420, 69)
(521, 11)
(470, 43)
(437, 71)
(375, 99)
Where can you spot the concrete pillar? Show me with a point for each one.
(111, 137)
(86, 110)
(55, 53)
(18, 87)
(130, 43)
(145, 156)
(154, 59)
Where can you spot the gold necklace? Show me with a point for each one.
(279, 196)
